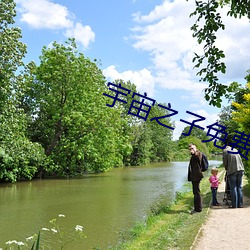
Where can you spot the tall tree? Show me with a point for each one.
(19, 157)
(12, 51)
(69, 116)
(240, 114)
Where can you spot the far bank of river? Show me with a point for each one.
(104, 204)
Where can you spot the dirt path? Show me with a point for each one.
(225, 228)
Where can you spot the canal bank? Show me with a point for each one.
(172, 227)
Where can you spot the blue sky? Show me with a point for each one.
(148, 42)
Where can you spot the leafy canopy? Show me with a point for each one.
(205, 28)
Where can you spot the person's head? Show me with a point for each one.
(214, 171)
(192, 148)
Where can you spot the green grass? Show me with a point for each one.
(246, 188)
(170, 226)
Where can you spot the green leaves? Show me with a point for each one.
(71, 119)
(210, 63)
(20, 158)
(54, 119)
(239, 8)
(208, 14)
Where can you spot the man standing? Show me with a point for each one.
(195, 175)
(235, 170)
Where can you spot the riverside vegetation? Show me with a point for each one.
(54, 121)
(52, 237)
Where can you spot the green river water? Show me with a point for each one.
(104, 204)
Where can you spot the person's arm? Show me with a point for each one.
(210, 179)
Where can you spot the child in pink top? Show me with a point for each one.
(214, 186)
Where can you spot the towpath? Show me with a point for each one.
(225, 228)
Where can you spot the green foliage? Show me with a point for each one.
(238, 8)
(36, 243)
(202, 136)
(12, 50)
(207, 12)
(183, 144)
(207, 24)
(53, 237)
(54, 120)
(161, 136)
(236, 116)
(149, 140)
(20, 158)
(225, 119)
(240, 111)
(68, 112)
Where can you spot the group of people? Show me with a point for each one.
(234, 169)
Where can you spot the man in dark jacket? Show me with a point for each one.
(235, 171)
(195, 175)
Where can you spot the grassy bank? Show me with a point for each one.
(170, 227)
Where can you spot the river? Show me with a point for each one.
(105, 204)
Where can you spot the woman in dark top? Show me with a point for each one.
(195, 175)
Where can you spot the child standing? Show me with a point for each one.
(214, 185)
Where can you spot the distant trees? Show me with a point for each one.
(149, 141)
(196, 136)
(195, 132)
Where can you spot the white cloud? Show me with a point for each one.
(165, 33)
(234, 41)
(167, 36)
(159, 12)
(44, 14)
(179, 126)
(143, 79)
(209, 120)
(83, 34)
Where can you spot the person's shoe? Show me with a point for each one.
(241, 206)
(194, 212)
(231, 206)
(217, 204)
